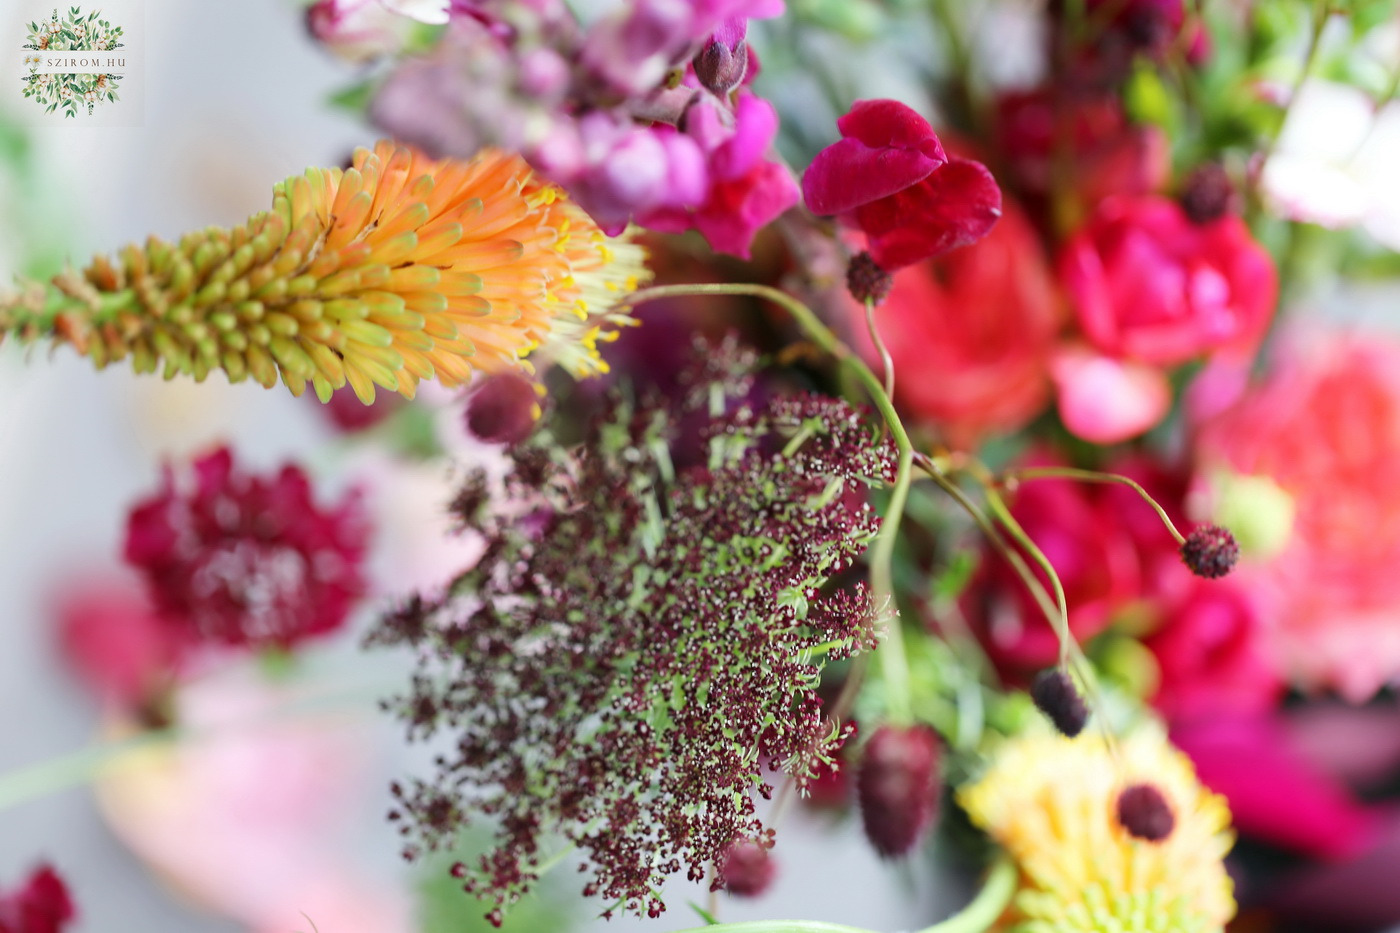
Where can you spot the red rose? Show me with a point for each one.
(889, 177)
(972, 374)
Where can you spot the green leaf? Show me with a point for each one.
(354, 98)
(705, 915)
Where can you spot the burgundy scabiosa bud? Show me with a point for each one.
(747, 868)
(866, 281)
(1210, 551)
(898, 787)
(1145, 813)
(1208, 193)
(503, 409)
(1055, 695)
(724, 60)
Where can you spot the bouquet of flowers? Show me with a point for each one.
(944, 418)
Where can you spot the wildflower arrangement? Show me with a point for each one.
(931, 414)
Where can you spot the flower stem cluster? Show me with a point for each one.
(638, 643)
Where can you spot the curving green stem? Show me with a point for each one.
(894, 666)
(984, 909)
(1093, 476)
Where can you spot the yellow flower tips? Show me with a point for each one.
(397, 269)
(1053, 804)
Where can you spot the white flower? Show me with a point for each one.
(1335, 162)
(425, 11)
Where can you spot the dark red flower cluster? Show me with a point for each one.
(898, 785)
(889, 177)
(248, 560)
(639, 642)
(42, 905)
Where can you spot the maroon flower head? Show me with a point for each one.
(1210, 551)
(1208, 194)
(1055, 695)
(722, 62)
(866, 281)
(1145, 813)
(898, 785)
(248, 560)
(42, 905)
(502, 409)
(747, 869)
(889, 176)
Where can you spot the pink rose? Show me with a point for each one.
(972, 374)
(1325, 426)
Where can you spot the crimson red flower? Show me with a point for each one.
(248, 560)
(1151, 286)
(889, 176)
(42, 905)
(973, 374)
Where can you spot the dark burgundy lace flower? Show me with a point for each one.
(889, 176)
(42, 905)
(640, 644)
(248, 560)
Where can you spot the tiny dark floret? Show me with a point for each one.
(1208, 193)
(1210, 551)
(866, 281)
(1055, 695)
(1145, 813)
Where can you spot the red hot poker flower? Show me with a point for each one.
(249, 560)
(889, 176)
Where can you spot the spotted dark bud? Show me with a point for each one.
(1210, 551)
(897, 784)
(724, 60)
(1208, 193)
(1145, 813)
(747, 868)
(503, 409)
(1056, 696)
(866, 281)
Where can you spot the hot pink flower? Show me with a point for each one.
(42, 905)
(889, 177)
(248, 560)
(1149, 285)
(357, 30)
(1326, 428)
(1151, 289)
(746, 190)
(973, 374)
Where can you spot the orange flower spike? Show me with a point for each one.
(399, 269)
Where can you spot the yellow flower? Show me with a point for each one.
(398, 269)
(1051, 803)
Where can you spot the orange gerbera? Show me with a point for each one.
(397, 269)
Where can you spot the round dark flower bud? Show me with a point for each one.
(1145, 813)
(866, 281)
(747, 869)
(1210, 551)
(897, 785)
(1146, 26)
(1055, 695)
(720, 67)
(1208, 193)
(502, 409)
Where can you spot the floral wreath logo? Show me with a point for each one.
(74, 33)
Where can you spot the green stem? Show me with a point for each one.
(1093, 476)
(71, 770)
(894, 666)
(984, 909)
(1322, 11)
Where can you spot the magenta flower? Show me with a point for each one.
(42, 905)
(248, 560)
(357, 31)
(746, 191)
(889, 176)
